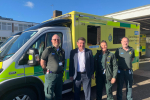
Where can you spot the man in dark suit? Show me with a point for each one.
(81, 69)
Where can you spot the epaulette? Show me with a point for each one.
(120, 48)
(130, 47)
(63, 50)
(49, 46)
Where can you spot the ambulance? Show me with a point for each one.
(7, 43)
(142, 45)
(21, 76)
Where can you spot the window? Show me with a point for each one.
(29, 26)
(16, 27)
(20, 27)
(93, 35)
(6, 26)
(0, 25)
(3, 38)
(49, 38)
(3, 26)
(118, 33)
(9, 26)
(25, 27)
(39, 44)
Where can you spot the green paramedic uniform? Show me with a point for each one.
(53, 77)
(105, 69)
(125, 72)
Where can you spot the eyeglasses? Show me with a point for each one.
(55, 39)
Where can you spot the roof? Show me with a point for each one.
(139, 14)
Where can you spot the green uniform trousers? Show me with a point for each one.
(100, 83)
(53, 86)
(126, 76)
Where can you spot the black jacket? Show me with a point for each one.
(89, 63)
(110, 64)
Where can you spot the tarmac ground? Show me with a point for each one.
(141, 86)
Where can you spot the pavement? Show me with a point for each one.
(141, 86)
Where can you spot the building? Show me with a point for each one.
(8, 27)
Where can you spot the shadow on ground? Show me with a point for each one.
(141, 87)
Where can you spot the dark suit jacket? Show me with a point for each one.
(89, 63)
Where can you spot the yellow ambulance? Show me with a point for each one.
(21, 76)
(142, 44)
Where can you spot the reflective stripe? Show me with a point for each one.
(84, 22)
(29, 71)
(38, 71)
(113, 23)
(135, 26)
(67, 67)
(6, 73)
(136, 53)
(42, 77)
(121, 24)
(125, 25)
(143, 47)
(77, 16)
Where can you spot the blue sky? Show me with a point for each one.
(41, 10)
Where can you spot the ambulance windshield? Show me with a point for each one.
(19, 43)
(8, 39)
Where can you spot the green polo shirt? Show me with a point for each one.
(124, 58)
(53, 58)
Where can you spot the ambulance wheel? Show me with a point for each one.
(21, 94)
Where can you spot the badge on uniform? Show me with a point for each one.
(130, 52)
(118, 71)
(104, 71)
(53, 53)
(60, 63)
(121, 52)
(129, 72)
(108, 59)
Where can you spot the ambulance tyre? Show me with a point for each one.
(21, 94)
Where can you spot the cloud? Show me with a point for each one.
(29, 4)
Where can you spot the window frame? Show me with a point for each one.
(4, 25)
(0, 26)
(54, 32)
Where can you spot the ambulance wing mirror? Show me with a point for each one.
(33, 57)
(23, 60)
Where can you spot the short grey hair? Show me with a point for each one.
(103, 41)
(124, 37)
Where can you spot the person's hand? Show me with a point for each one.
(93, 76)
(71, 78)
(113, 80)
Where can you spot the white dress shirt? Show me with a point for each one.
(81, 61)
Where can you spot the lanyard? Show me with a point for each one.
(59, 54)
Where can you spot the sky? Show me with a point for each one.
(40, 10)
